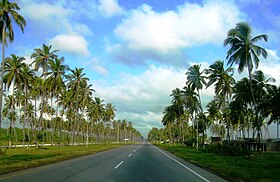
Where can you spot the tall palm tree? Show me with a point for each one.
(261, 86)
(196, 80)
(169, 117)
(28, 76)
(178, 103)
(243, 49)
(224, 82)
(55, 81)
(42, 58)
(77, 81)
(8, 15)
(86, 98)
(13, 75)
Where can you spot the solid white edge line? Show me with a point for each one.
(198, 175)
(118, 165)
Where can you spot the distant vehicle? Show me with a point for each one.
(126, 139)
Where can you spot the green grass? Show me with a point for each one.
(21, 158)
(258, 167)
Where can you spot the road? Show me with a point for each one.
(133, 163)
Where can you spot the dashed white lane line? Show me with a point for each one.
(198, 175)
(118, 165)
(134, 150)
(129, 155)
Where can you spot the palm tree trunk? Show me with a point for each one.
(10, 135)
(277, 129)
(201, 110)
(35, 123)
(2, 71)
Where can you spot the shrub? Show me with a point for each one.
(227, 150)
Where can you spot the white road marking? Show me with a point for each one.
(118, 165)
(134, 151)
(129, 155)
(198, 175)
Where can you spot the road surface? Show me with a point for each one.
(133, 163)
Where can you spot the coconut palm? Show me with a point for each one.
(28, 76)
(169, 117)
(224, 82)
(243, 49)
(77, 81)
(261, 86)
(86, 98)
(196, 80)
(42, 58)
(55, 81)
(270, 106)
(178, 103)
(13, 75)
(8, 15)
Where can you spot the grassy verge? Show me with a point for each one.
(21, 158)
(264, 167)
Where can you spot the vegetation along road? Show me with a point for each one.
(139, 162)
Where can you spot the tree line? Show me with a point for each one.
(243, 106)
(49, 99)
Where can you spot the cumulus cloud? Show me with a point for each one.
(110, 8)
(271, 66)
(189, 25)
(97, 66)
(123, 54)
(71, 43)
(272, 55)
(57, 17)
(142, 98)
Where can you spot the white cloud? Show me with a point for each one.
(58, 17)
(142, 98)
(71, 43)
(52, 17)
(272, 55)
(98, 67)
(189, 25)
(110, 8)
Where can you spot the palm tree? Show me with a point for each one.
(224, 82)
(178, 103)
(270, 106)
(13, 75)
(10, 114)
(169, 117)
(77, 81)
(196, 80)
(41, 60)
(243, 49)
(27, 76)
(55, 82)
(8, 15)
(86, 98)
(261, 87)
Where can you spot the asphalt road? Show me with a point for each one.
(140, 162)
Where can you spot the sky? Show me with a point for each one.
(135, 52)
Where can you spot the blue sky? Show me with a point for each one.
(136, 51)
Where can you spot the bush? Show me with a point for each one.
(227, 150)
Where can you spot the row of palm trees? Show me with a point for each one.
(46, 97)
(241, 105)
(56, 101)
